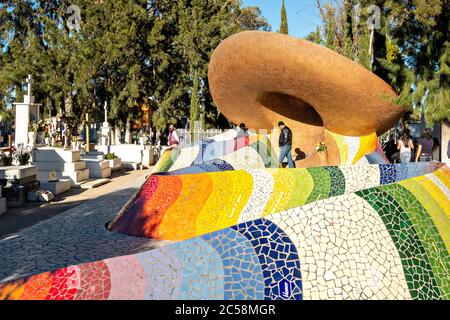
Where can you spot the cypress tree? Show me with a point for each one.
(284, 28)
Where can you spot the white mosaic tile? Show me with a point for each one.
(186, 157)
(360, 177)
(244, 158)
(345, 250)
(263, 183)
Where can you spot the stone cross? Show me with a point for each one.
(87, 132)
(30, 83)
(66, 135)
(106, 111)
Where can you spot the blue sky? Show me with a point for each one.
(303, 16)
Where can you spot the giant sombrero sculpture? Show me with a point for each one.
(261, 77)
(244, 229)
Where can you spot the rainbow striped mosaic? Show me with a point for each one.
(180, 207)
(386, 242)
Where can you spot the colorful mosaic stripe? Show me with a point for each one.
(255, 260)
(179, 207)
(384, 242)
(256, 152)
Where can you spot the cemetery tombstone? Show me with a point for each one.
(27, 112)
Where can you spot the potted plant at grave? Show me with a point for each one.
(40, 132)
(75, 142)
(22, 154)
(47, 138)
(115, 162)
(5, 159)
(32, 133)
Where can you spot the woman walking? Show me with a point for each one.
(405, 146)
(173, 140)
(425, 147)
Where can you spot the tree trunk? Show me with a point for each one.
(68, 104)
(128, 131)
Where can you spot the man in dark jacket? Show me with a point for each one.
(285, 144)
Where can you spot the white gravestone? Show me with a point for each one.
(106, 130)
(26, 112)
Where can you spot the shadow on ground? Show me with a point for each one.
(77, 235)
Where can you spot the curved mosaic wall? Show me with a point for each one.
(179, 207)
(386, 242)
(225, 152)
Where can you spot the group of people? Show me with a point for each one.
(427, 147)
(284, 141)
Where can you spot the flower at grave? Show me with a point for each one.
(52, 176)
(22, 154)
(33, 127)
(41, 125)
(321, 147)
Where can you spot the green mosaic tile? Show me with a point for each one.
(265, 152)
(303, 186)
(174, 154)
(428, 233)
(337, 186)
(322, 184)
(416, 264)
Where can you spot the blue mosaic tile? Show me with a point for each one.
(401, 172)
(220, 164)
(278, 258)
(387, 173)
(242, 270)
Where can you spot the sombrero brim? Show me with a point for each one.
(262, 77)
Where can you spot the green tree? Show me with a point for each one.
(421, 30)
(126, 52)
(344, 30)
(284, 28)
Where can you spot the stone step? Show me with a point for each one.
(57, 187)
(17, 172)
(98, 168)
(50, 154)
(93, 183)
(61, 166)
(100, 173)
(75, 176)
(96, 164)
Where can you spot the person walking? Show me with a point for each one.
(285, 144)
(425, 147)
(173, 139)
(405, 146)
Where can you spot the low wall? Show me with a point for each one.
(133, 153)
(180, 207)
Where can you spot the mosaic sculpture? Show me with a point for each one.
(261, 78)
(361, 229)
(385, 242)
